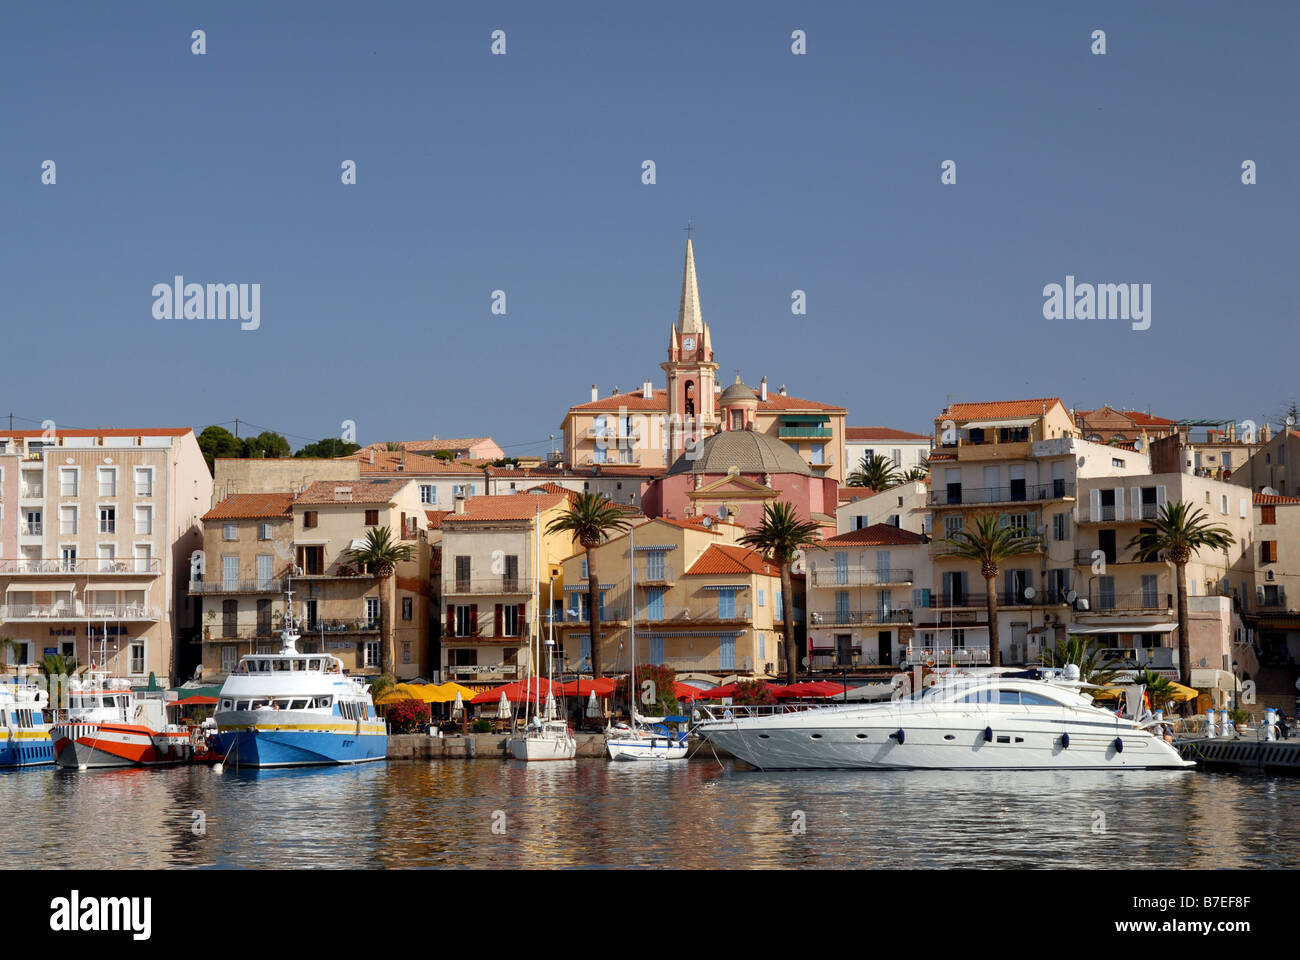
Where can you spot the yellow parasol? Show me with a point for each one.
(446, 693)
(410, 691)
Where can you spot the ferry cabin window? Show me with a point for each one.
(281, 665)
(313, 665)
(300, 665)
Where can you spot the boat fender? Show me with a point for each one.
(1119, 744)
(899, 736)
(988, 734)
(1065, 741)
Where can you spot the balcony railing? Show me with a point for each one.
(31, 491)
(151, 566)
(960, 600)
(1142, 658)
(1102, 602)
(655, 573)
(79, 610)
(824, 576)
(694, 613)
(714, 664)
(1084, 557)
(30, 529)
(208, 587)
(845, 618)
(805, 433)
(942, 496)
(955, 656)
(608, 615)
(327, 627)
(1118, 512)
(939, 548)
(486, 586)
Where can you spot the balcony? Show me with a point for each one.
(947, 656)
(614, 615)
(612, 433)
(78, 610)
(940, 550)
(487, 586)
(150, 567)
(31, 491)
(1084, 558)
(1118, 512)
(335, 627)
(590, 460)
(678, 615)
(823, 576)
(1142, 658)
(31, 529)
(1162, 603)
(805, 433)
(963, 601)
(200, 588)
(859, 618)
(1013, 493)
(714, 664)
(1041, 598)
(654, 574)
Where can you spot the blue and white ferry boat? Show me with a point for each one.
(293, 709)
(24, 734)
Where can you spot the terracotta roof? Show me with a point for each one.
(435, 518)
(882, 433)
(723, 559)
(1267, 499)
(391, 461)
(878, 534)
(505, 506)
(1136, 416)
(449, 443)
(252, 506)
(360, 491)
(692, 523)
(999, 408)
(849, 494)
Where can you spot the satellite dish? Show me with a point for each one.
(1029, 593)
(1203, 662)
(1071, 597)
(1081, 459)
(1269, 492)
(1137, 444)
(708, 521)
(805, 661)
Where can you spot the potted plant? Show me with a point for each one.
(207, 629)
(1241, 718)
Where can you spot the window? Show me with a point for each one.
(265, 569)
(465, 620)
(408, 608)
(1061, 526)
(1268, 551)
(951, 526)
(372, 611)
(308, 519)
(510, 618)
(107, 519)
(1268, 514)
(264, 531)
(372, 654)
(137, 658)
(229, 657)
(818, 452)
(144, 520)
(406, 652)
(143, 558)
(372, 518)
(67, 519)
(1106, 593)
(429, 493)
(107, 557)
(107, 481)
(1116, 462)
(229, 569)
(1223, 503)
(462, 490)
(654, 604)
(144, 481)
(230, 531)
(462, 574)
(68, 481)
(726, 604)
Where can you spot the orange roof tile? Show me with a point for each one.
(721, 559)
(881, 433)
(435, 518)
(504, 506)
(103, 432)
(1267, 499)
(252, 506)
(881, 534)
(359, 491)
(999, 408)
(392, 461)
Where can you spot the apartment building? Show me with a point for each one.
(1129, 606)
(1108, 424)
(1272, 469)
(498, 563)
(702, 603)
(905, 450)
(1275, 611)
(96, 530)
(254, 543)
(621, 484)
(906, 506)
(1022, 461)
(866, 590)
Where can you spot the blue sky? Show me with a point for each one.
(522, 173)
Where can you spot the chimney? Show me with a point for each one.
(372, 456)
(783, 393)
(762, 390)
(595, 394)
(460, 503)
(647, 391)
(403, 466)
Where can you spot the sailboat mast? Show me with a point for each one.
(631, 626)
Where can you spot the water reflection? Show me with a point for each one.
(593, 813)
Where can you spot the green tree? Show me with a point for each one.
(591, 518)
(779, 536)
(9, 650)
(1181, 529)
(217, 442)
(267, 444)
(1159, 688)
(55, 666)
(1093, 665)
(874, 472)
(380, 553)
(914, 475)
(328, 448)
(991, 543)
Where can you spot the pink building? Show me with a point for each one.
(734, 474)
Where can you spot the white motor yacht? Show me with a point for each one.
(987, 722)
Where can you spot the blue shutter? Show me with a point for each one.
(727, 653)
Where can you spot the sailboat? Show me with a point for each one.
(645, 738)
(545, 737)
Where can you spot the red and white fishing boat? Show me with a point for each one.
(111, 725)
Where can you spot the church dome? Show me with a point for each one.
(747, 450)
(737, 393)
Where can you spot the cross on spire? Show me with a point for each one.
(689, 228)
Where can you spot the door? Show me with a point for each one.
(885, 645)
(1106, 544)
(1019, 639)
(843, 650)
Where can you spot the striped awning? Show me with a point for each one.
(582, 588)
(720, 634)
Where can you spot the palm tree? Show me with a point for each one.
(1159, 688)
(914, 475)
(990, 544)
(778, 537)
(55, 665)
(381, 554)
(590, 518)
(874, 472)
(9, 649)
(1092, 663)
(1181, 529)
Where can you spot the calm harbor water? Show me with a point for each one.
(591, 813)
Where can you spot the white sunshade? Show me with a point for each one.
(41, 587)
(986, 424)
(1128, 628)
(111, 587)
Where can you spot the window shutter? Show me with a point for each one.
(1119, 503)
(1094, 504)
(1259, 596)
(451, 620)
(473, 619)
(1160, 498)
(1243, 506)
(497, 619)
(1135, 501)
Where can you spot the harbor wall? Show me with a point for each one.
(490, 746)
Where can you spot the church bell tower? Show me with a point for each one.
(692, 407)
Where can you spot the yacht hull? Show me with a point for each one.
(102, 745)
(258, 747)
(944, 746)
(25, 749)
(542, 748)
(630, 749)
